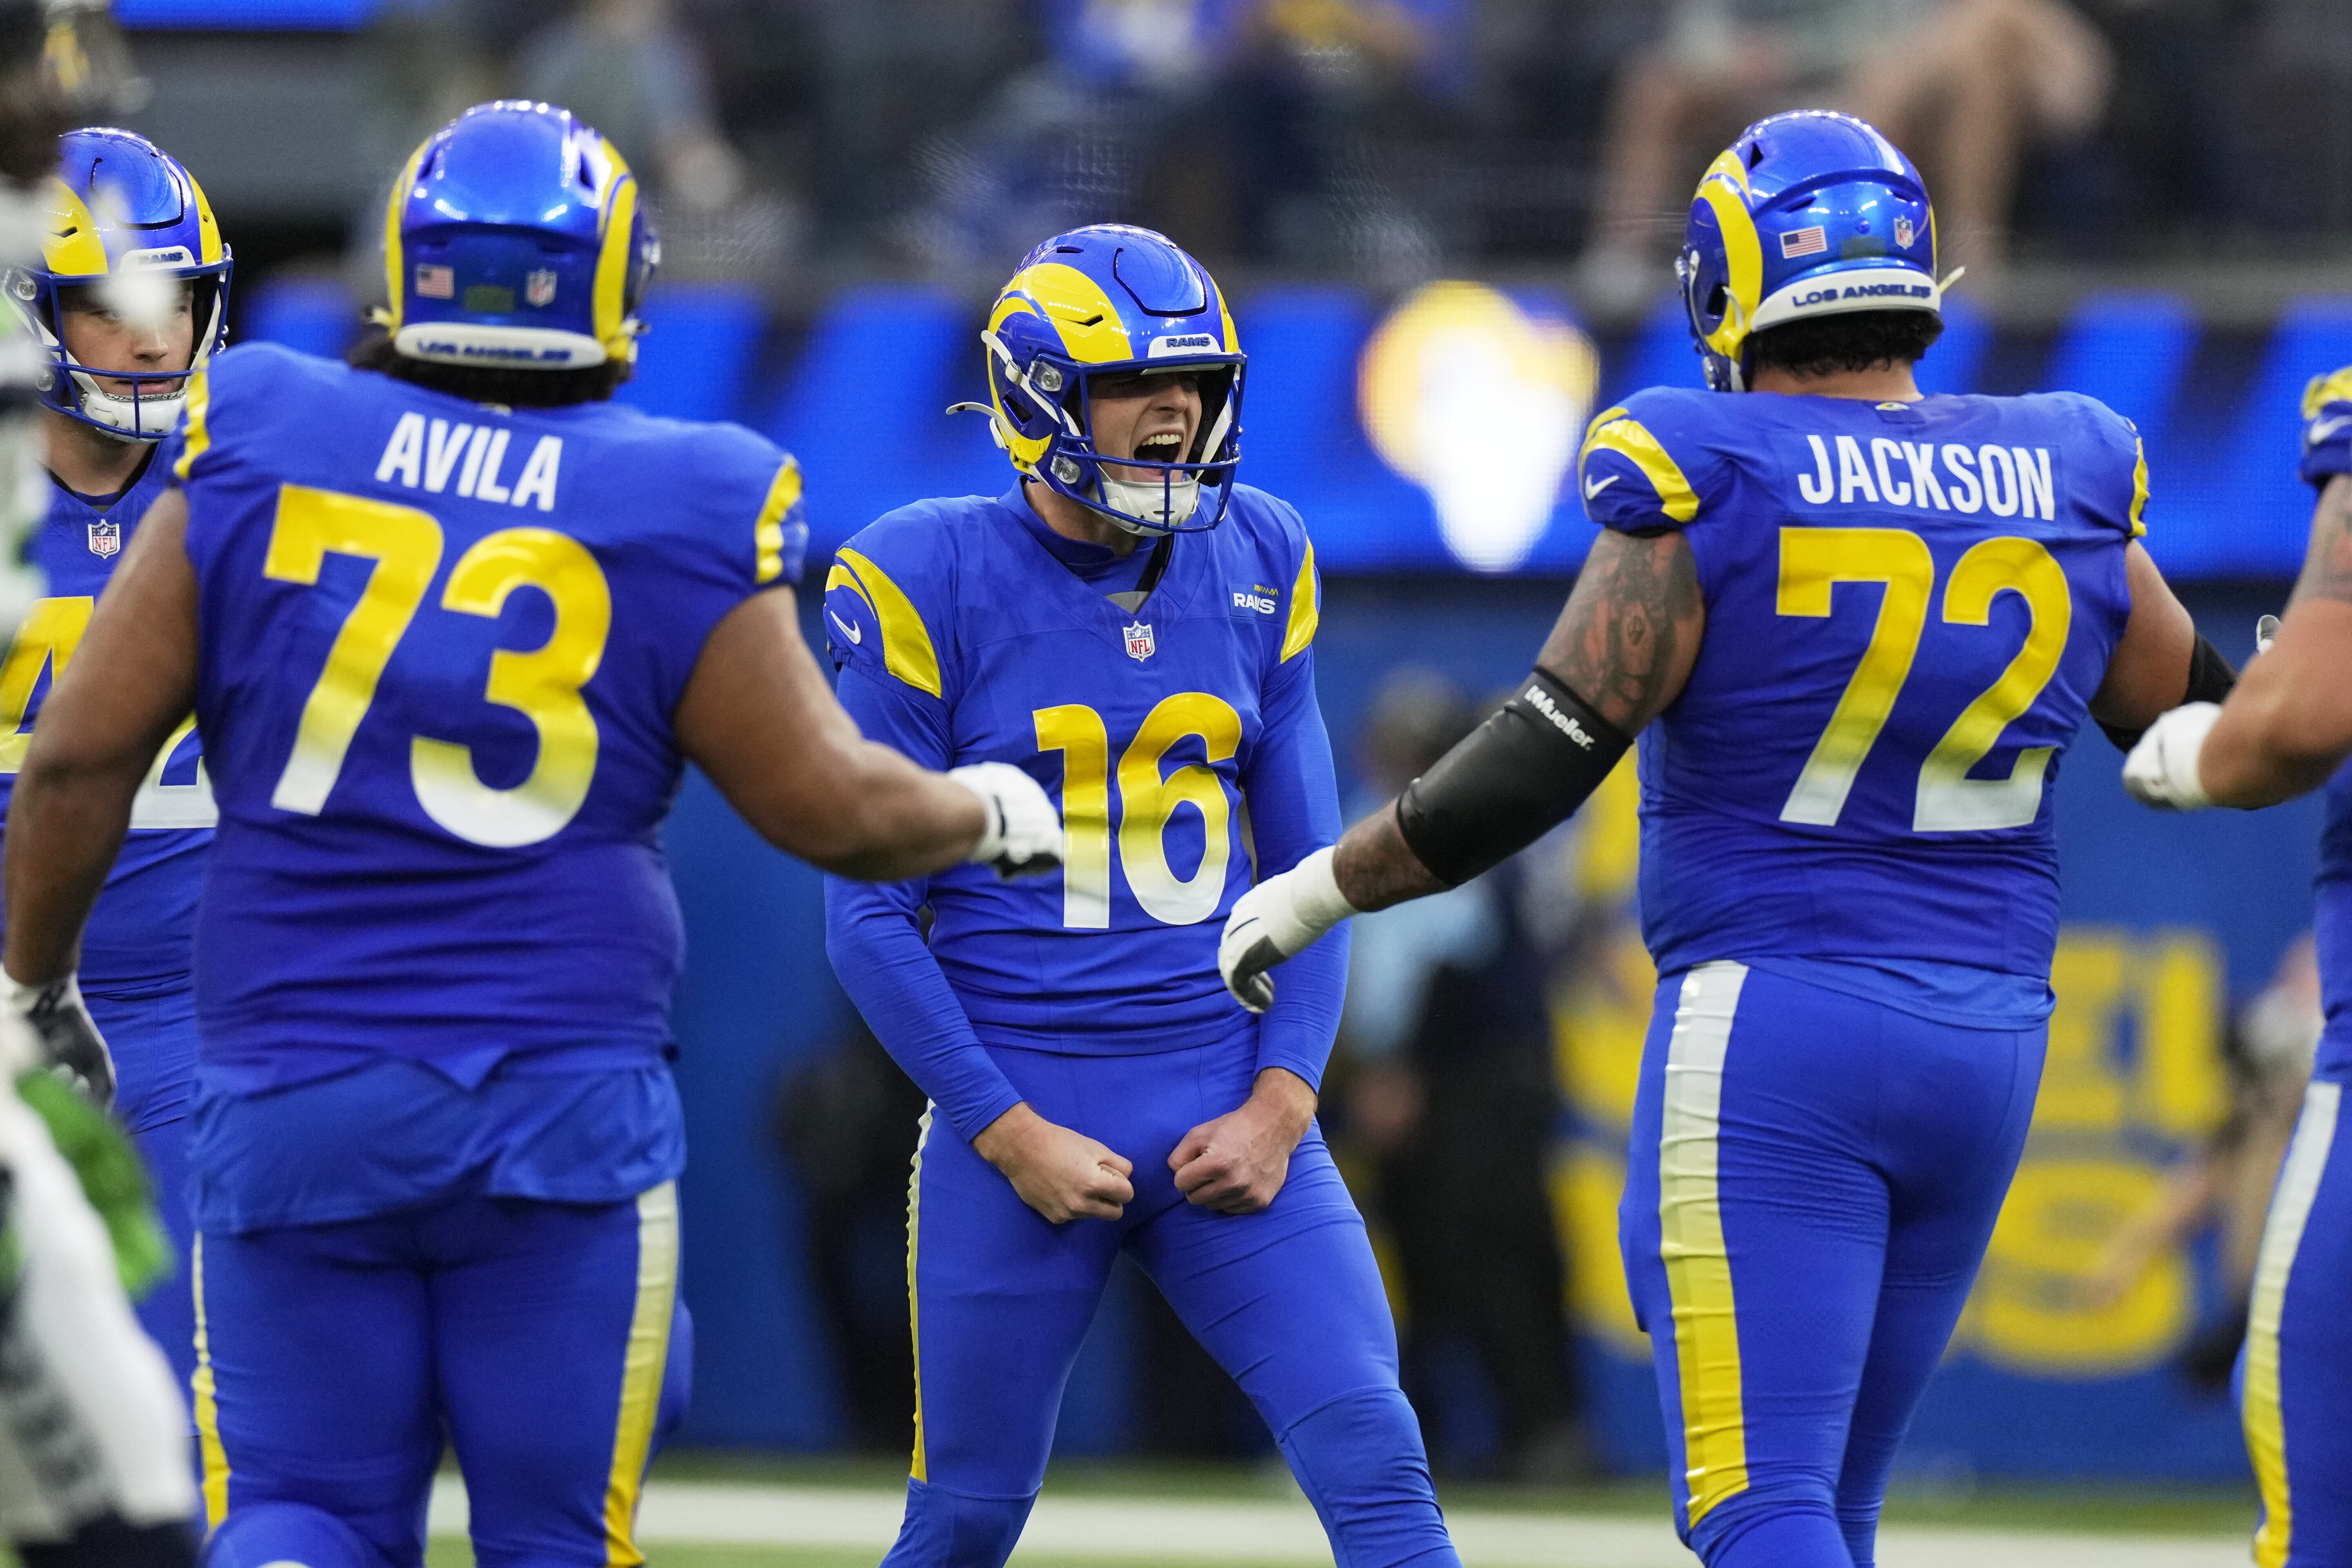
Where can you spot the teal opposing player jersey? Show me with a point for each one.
(441, 643)
(1909, 606)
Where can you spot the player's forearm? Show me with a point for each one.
(2288, 726)
(883, 819)
(897, 987)
(1376, 868)
(1295, 1035)
(65, 824)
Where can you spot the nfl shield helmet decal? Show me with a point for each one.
(539, 289)
(1140, 644)
(106, 538)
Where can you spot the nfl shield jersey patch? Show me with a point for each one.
(106, 538)
(1140, 644)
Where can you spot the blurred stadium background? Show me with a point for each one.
(1442, 225)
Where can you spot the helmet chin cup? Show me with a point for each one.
(140, 417)
(1145, 507)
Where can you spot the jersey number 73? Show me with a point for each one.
(544, 684)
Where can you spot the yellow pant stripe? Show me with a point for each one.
(919, 1470)
(204, 1394)
(2298, 1184)
(1690, 1218)
(643, 1364)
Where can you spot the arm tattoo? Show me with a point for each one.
(2327, 565)
(1626, 639)
(1375, 868)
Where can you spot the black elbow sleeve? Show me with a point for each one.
(1524, 770)
(2210, 678)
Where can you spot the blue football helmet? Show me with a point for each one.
(121, 212)
(1807, 214)
(515, 238)
(1113, 299)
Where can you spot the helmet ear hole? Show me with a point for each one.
(1719, 301)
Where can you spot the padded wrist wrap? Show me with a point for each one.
(1517, 775)
(2210, 678)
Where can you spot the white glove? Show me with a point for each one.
(49, 1027)
(2162, 769)
(1023, 836)
(1277, 920)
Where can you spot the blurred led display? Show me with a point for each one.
(1481, 404)
(1437, 433)
(258, 16)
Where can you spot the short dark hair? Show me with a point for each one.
(491, 384)
(1857, 340)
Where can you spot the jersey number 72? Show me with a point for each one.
(1812, 560)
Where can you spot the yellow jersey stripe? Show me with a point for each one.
(1690, 1223)
(906, 650)
(1616, 431)
(2139, 487)
(644, 1359)
(2265, 1423)
(842, 577)
(195, 423)
(920, 1468)
(1306, 608)
(768, 533)
(205, 1394)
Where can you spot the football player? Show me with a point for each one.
(130, 299)
(2286, 731)
(1137, 629)
(452, 622)
(1866, 623)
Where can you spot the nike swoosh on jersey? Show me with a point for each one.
(1594, 487)
(2325, 428)
(853, 632)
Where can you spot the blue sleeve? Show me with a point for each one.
(1293, 797)
(872, 935)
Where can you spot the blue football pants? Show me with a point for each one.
(2297, 1372)
(333, 1359)
(1812, 1182)
(1288, 1300)
(153, 1038)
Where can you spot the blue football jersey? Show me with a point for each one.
(2331, 926)
(441, 645)
(139, 933)
(1909, 606)
(981, 641)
